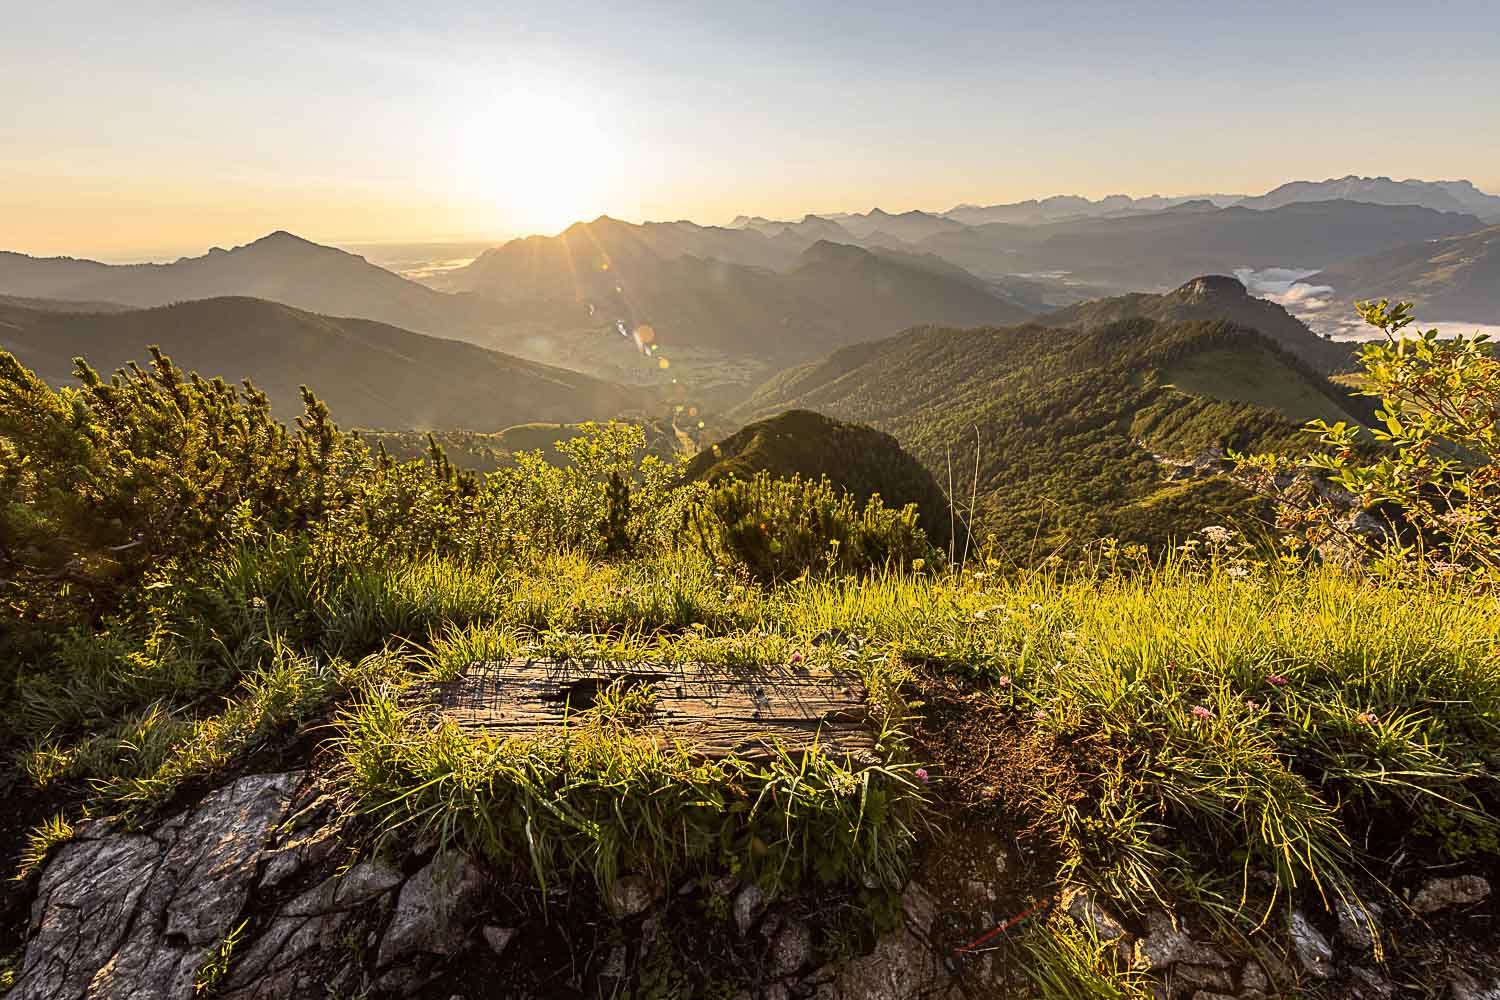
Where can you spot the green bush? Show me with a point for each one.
(780, 529)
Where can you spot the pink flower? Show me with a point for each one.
(1252, 704)
(795, 658)
(1276, 680)
(1041, 714)
(1199, 712)
(921, 773)
(1366, 718)
(1004, 680)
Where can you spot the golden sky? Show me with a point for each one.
(160, 128)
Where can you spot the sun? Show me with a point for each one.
(537, 160)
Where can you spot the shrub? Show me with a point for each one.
(1435, 482)
(782, 528)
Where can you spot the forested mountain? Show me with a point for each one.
(370, 374)
(1212, 297)
(831, 294)
(1069, 425)
(1449, 279)
(856, 458)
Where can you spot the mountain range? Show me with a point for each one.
(370, 374)
(1452, 279)
(1442, 196)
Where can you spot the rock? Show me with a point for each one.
(776, 991)
(1168, 944)
(1311, 947)
(1082, 905)
(1370, 985)
(749, 904)
(792, 948)
(919, 907)
(311, 922)
(1253, 977)
(1207, 995)
(1359, 926)
(901, 967)
(434, 909)
(632, 895)
(498, 938)
(1209, 978)
(724, 885)
(135, 915)
(1466, 987)
(1441, 893)
(614, 965)
(305, 852)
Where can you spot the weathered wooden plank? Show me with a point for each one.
(715, 710)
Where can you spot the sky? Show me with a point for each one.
(147, 128)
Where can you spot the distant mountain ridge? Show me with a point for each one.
(1211, 297)
(827, 295)
(1443, 196)
(1452, 279)
(370, 374)
(279, 267)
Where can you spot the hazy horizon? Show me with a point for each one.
(166, 128)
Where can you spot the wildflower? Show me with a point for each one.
(1366, 718)
(1444, 569)
(981, 575)
(1040, 714)
(1237, 572)
(1199, 712)
(795, 658)
(1004, 680)
(917, 564)
(1252, 704)
(1217, 534)
(1035, 607)
(258, 603)
(1276, 680)
(921, 773)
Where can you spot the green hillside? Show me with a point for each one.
(1080, 434)
(858, 459)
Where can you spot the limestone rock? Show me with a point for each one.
(749, 904)
(272, 966)
(135, 915)
(434, 909)
(1083, 906)
(498, 938)
(1311, 947)
(1369, 984)
(1441, 893)
(305, 852)
(792, 948)
(1167, 944)
(632, 895)
(1209, 978)
(901, 967)
(1359, 926)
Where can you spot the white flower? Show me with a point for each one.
(1218, 534)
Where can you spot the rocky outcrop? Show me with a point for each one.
(133, 915)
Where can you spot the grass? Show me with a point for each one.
(1167, 732)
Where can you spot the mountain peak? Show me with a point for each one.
(1212, 286)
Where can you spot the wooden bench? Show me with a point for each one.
(716, 711)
